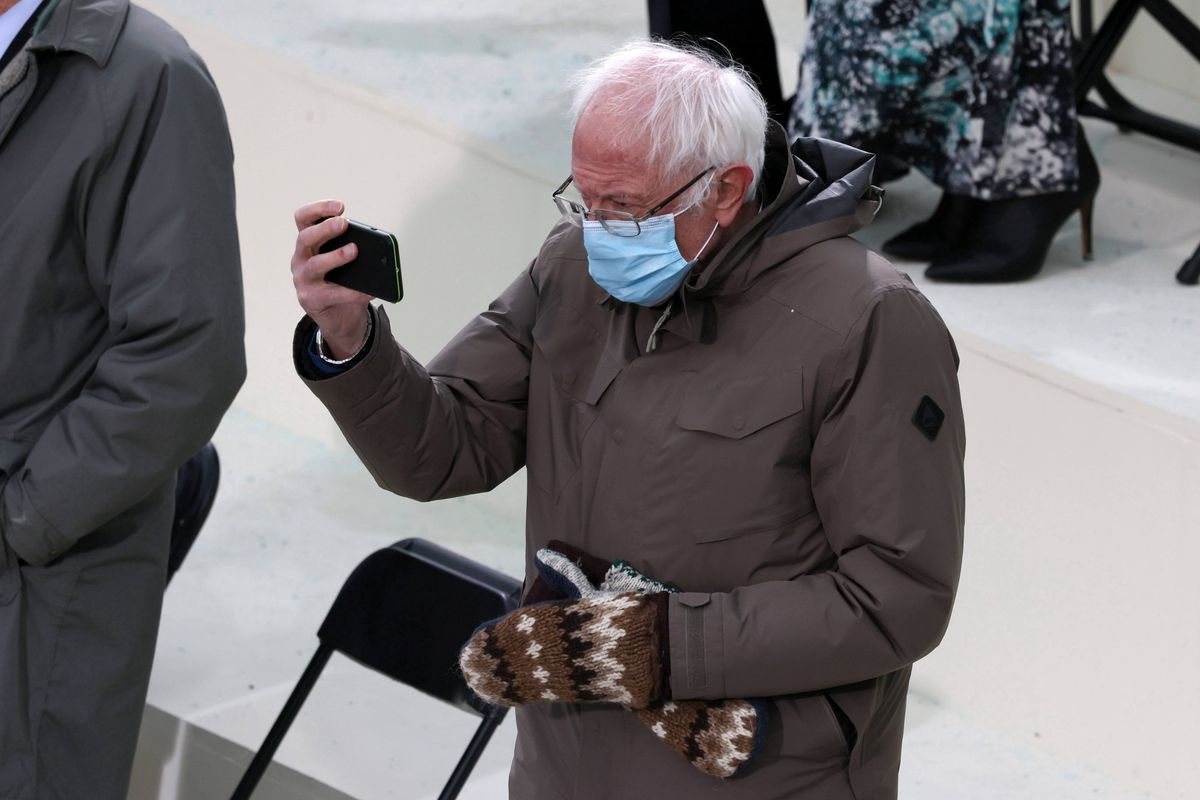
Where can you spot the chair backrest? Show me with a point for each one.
(195, 489)
(407, 610)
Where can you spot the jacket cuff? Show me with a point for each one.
(307, 360)
(697, 646)
(382, 360)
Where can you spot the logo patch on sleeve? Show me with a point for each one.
(928, 418)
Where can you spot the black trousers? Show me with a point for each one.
(742, 27)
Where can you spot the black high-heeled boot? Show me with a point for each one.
(1008, 239)
(940, 234)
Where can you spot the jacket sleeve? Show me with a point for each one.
(455, 428)
(891, 502)
(162, 258)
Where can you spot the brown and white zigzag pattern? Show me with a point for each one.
(716, 736)
(598, 649)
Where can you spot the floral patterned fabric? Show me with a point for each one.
(976, 94)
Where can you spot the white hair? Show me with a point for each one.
(688, 108)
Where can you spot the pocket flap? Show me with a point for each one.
(574, 350)
(737, 408)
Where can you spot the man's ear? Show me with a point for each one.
(730, 186)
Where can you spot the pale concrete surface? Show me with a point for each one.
(182, 761)
(1075, 626)
(494, 69)
(1067, 669)
(498, 71)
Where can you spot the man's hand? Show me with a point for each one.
(340, 313)
(718, 737)
(592, 650)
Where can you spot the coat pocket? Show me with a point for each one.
(573, 354)
(744, 406)
(569, 374)
(744, 450)
(809, 729)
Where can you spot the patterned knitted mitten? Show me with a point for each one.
(717, 736)
(595, 649)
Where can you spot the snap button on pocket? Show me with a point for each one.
(739, 422)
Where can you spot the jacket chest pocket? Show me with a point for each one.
(745, 443)
(569, 374)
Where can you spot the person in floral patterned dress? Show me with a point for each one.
(975, 94)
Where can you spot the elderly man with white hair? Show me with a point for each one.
(744, 443)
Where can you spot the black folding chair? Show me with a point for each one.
(384, 619)
(195, 489)
(1189, 273)
(1096, 48)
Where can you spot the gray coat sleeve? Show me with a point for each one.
(157, 216)
(891, 502)
(455, 428)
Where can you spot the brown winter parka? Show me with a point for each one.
(787, 447)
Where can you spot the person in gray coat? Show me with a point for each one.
(121, 345)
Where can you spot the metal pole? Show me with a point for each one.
(262, 759)
(1101, 46)
(471, 755)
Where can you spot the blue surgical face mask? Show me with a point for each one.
(645, 269)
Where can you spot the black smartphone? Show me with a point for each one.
(376, 269)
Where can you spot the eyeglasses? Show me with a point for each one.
(618, 223)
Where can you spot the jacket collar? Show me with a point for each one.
(89, 27)
(814, 190)
(693, 319)
(778, 186)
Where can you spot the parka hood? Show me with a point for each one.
(815, 190)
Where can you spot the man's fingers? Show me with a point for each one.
(311, 238)
(314, 268)
(308, 214)
(325, 302)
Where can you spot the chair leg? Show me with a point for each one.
(195, 489)
(1177, 24)
(262, 759)
(1101, 45)
(471, 755)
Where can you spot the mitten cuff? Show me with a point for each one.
(662, 609)
(549, 586)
